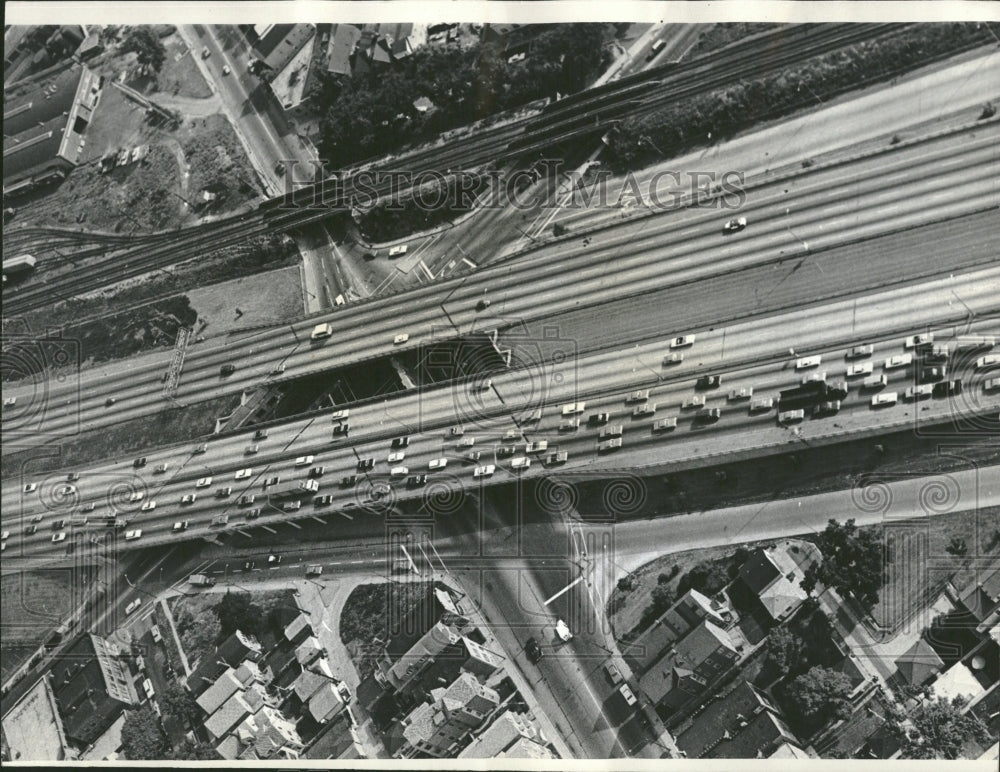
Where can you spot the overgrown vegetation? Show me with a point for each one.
(373, 114)
(852, 562)
(721, 113)
(218, 163)
(940, 730)
(719, 35)
(367, 612)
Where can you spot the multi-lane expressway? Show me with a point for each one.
(813, 212)
(753, 354)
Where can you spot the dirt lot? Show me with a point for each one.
(264, 298)
(179, 75)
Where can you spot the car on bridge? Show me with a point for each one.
(569, 425)
(665, 424)
(918, 340)
(223, 493)
(598, 419)
(817, 377)
(806, 362)
(396, 456)
(341, 430)
(696, 400)
(303, 460)
(682, 341)
(148, 506)
(180, 525)
(321, 332)
(991, 360)
(366, 464)
(190, 498)
(738, 395)
(246, 500)
(573, 408)
(348, 481)
(340, 415)
(203, 482)
(640, 395)
(400, 442)
(708, 382)
(900, 360)
(917, 393)
(486, 470)
(826, 409)
(400, 339)
(673, 359)
(521, 462)
(860, 352)
(644, 411)
(271, 481)
(437, 463)
(243, 474)
(557, 458)
(133, 534)
(539, 446)
(416, 481)
(708, 415)
(227, 369)
(609, 445)
(735, 225)
(951, 388)
(885, 399)
(864, 368)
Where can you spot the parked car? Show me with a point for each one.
(532, 649)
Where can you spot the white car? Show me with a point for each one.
(859, 352)
(303, 460)
(682, 341)
(400, 339)
(181, 525)
(915, 393)
(992, 360)
(640, 395)
(537, 447)
(900, 360)
(807, 362)
(396, 456)
(854, 371)
(133, 606)
(149, 506)
(573, 408)
(521, 462)
(225, 69)
(791, 416)
(31, 487)
(133, 535)
(58, 537)
(278, 369)
(438, 463)
(204, 482)
(9, 401)
(243, 474)
(818, 377)
(696, 400)
(483, 471)
(340, 415)
(737, 395)
(136, 497)
(189, 498)
(483, 385)
(321, 331)
(665, 424)
(884, 399)
(399, 471)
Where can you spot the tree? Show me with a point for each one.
(202, 633)
(149, 52)
(662, 597)
(784, 649)
(237, 612)
(708, 577)
(821, 695)
(142, 735)
(957, 547)
(852, 562)
(939, 730)
(189, 750)
(180, 703)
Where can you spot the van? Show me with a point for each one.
(321, 331)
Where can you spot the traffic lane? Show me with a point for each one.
(604, 373)
(602, 250)
(957, 89)
(750, 341)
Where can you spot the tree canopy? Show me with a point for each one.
(940, 730)
(142, 736)
(785, 649)
(177, 701)
(237, 612)
(149, 51)
(852, 562)
(188, 750)
(821, 695)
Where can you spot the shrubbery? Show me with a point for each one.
(723, 112)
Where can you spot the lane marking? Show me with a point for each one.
(564, 590)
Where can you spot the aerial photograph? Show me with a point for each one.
(500, 385)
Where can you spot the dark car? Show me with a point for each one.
(323, 501)
(947, 388)
(708, 382)
(253, 514)
(260, 434)
(708, 415)
(401, 442)
(503, 451)
(109, 401)
(416, 481)
(271, 481)
(30, 529)
(139, 462)
(824, 409)
(349, 481)
(482, 305)
(366, 464)
(249, 565)
(599, 419)
(837, 390)
(931, 374)
(340, 429)
(227, 369)
(533, 650)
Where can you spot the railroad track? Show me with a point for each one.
(514, 140)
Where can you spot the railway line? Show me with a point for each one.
(490, 146)
(631, 260)
(753, 354)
